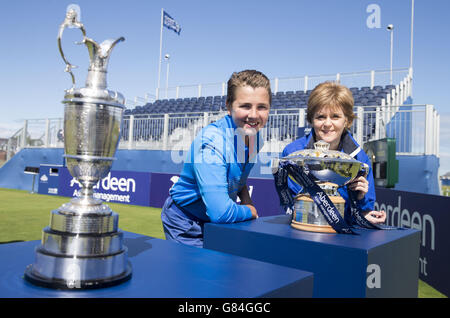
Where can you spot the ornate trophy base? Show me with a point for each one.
(66, 284)
(307, 217)
(80, 251)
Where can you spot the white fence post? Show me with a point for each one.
(223, 88)
(377, 123)
(276, 85)
(360, 124)
(338, 78)
(177, 92)
(306, 84)
(47, 133)
(438, 131)
(372, 79)
(23, 143)
(199, 90)
(8, 149)
(397, 95)
(205, 119)
(435, 132)
(429, 130)
(166, 131)
(301, 117)
(130, 131)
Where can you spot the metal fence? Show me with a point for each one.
(278, 84)
(415, 128)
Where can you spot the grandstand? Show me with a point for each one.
(161, 123)
(286, 115)
(170, 124)
(281, 100)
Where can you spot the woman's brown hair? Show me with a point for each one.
(331, 94)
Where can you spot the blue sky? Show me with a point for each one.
(281, 38)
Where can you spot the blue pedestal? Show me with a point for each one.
(371, 264)
(163, 269)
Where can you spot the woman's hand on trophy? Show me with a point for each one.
(375, 217)
(361, 185)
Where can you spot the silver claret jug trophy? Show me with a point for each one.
(83, 247)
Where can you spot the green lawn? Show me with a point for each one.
(24, 215)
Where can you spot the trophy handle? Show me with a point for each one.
(365, 170)
(70, 21)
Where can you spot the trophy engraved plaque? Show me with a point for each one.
(83, 247)
(320, 171)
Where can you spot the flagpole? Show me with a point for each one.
(160, 54)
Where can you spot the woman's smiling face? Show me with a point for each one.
(250, 109)
(329, 124)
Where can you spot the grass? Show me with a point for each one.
(24, 215)
(446, 191)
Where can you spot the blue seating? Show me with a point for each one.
(281, 100)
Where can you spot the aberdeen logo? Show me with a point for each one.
(112, 183)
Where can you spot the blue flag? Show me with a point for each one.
(170, 23)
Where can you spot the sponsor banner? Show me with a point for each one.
(159, 188)
(127, 187)
(48, 182)
(262, 192)
(264, 196)
(429, 214)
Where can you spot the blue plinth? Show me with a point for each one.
(371, 264)
(163, 269)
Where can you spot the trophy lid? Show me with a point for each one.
(321, 150)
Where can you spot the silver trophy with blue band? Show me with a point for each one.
(83, 247)
(320, 171)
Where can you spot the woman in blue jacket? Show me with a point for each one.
(330, 113)
(218, 163)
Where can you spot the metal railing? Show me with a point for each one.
(415, 128)
(297, 83)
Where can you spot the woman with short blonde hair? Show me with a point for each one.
(330, 113)
(333, 95)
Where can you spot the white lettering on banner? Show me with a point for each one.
(374, 279)
(250, 191)
(174, 180)
(122, 184)
(328, 207)
(114, 184)
(73, 181)
(402, 218)
(423, 266)
(107, 196)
